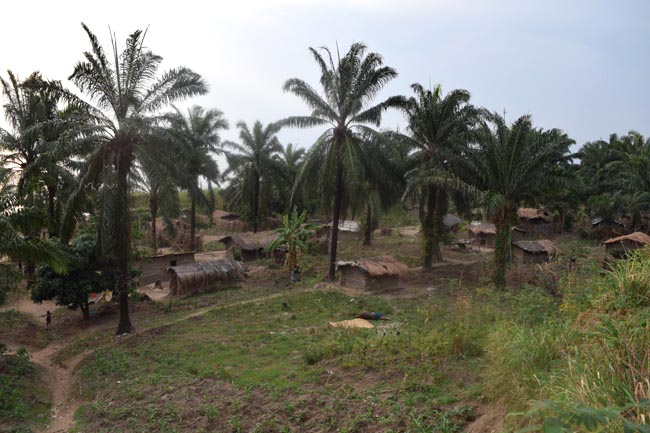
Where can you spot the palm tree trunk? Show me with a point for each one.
(51, 193)
(338, 195)
(367, 238)
(122, 234)
(431, 232)
(256, 201)
(502, 246)
(192, 221)
(153, 208)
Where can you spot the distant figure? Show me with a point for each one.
(295, 275)
(48, 319)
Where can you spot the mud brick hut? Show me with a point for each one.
(153, 268)
(620, 246)
(198, 277)
(535, 221)
(530, 252)
(482, 234)
(249, 246)
(371, 274)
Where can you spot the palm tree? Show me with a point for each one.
(125, 92)
(511, 165)
(199, 133)
(292, 158)
(349, 85)
(16, 239)
(439, 127)
(255, 163)
(36, 146)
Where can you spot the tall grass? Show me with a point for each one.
(582, 372)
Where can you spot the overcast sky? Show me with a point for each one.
(582, 66)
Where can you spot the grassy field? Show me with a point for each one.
(455, 355)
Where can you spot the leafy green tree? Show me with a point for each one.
(511, 163)
(125, 94)
(87, 274)
(349, 84)
(255, 164)
(199, 132)
(294, 234)
(440, 126)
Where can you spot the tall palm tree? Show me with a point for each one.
(439, 126)
(349, 85)
(199, 133)
(511, 164)
(125, 93)
(255, 163)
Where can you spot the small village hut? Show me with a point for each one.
(483, 234)
(621, 245)
(529, 252)
(198, 277)
(534, 221)
(371, 274)
(249, 246)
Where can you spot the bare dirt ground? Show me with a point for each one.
(27, 306)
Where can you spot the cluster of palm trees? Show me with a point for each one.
(65, 155)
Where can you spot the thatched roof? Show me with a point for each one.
(451, 220)
(377, 266)
(203, 274)
(250, 241)
(531, 214)
(224, 215)
(483, 228)
(638, 237)
(536, 247)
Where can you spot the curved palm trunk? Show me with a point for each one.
(502, 246)
(367, 236)
(122, 239)
(256, 201)
(432, 231)
(338, 195)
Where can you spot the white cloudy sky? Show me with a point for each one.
(582, 66)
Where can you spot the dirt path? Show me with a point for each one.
(27, 306)
(59, 378)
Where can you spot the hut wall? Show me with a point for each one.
(536, 226)
(619, 249)
(152, 268)
(383, 283)
(523, 257)
(484, 239)
(352, 276)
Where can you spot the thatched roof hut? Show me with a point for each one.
(540, 251)
(371, 273)
(198, 277)
(535, 220)
(483, 234)
(621, 245)
(249, 245)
